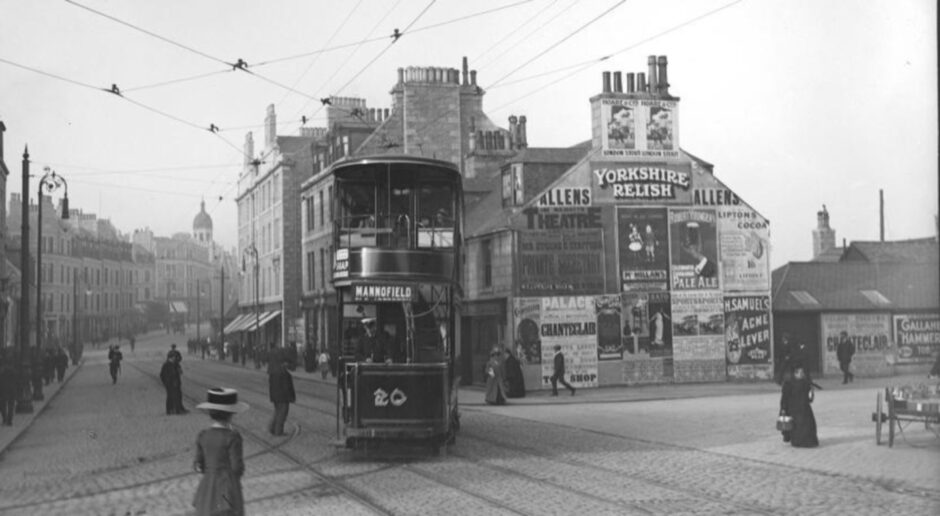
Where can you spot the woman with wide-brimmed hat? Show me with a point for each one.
(219, 456)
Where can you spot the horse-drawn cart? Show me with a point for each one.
(899, 406)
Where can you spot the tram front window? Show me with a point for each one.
(387, 333)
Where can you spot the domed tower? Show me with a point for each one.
(202, 226)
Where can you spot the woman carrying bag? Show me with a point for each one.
(796, 400)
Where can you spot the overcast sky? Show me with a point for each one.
(797, 103)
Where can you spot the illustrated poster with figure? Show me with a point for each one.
(609, 340)
(636, 329)
(694, 249)
(528, 342)
(644, 249)
(745, 249)
(660, 325)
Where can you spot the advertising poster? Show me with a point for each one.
(636, 328)
(607, 309)
(570, 323)
(871, 334)
(693, 246)
(699, 348)
(639, 129)
(563, 260)
(528, 342)
(660, 325)
(697, 313)
(745, 248)
(917, 337)
(643, 244)
(747, 336)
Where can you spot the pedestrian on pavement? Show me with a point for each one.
(48, 366)
(845, 350)
(175, 352)
(515, 382)
(559, 375)
(173, 383)
(219, 456)
(280, 390)
(324, 363)
(9, 386)
(61, 364)
(496, 388)
(796, 400)
(114, 362)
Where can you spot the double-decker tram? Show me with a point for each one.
(396, 273)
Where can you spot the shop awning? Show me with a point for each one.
(236, 322)
(178, 307)
(263, 319)
(243, 324)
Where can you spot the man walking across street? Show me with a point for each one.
(114, 358)
(280, 389)
(559, 375)
(845, 350)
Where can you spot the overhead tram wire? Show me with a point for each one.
(317, 57)
(508, 48)
(587, 64)
(559, 42)
(395, 37)
(103, 172)
(177, 81)
(512, 32)
(346, 60)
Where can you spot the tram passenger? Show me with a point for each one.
(375, 345)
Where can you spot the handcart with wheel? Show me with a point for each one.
(899, 406)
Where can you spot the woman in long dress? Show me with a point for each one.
(796, 401)
(514, 378)
(495, 379)
(219, 457)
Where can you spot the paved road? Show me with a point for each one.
(98, 448)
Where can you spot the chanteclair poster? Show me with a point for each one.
(570, 324)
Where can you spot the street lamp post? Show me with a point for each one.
(252, 251)
(50, 182)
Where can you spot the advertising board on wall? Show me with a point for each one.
(917, 337)
(569, 261)
(744, 249)
(647, 324)
(570, 323)
(747, 336)
(639, 129)
(609, 341)
(871, 334)
(643, 246)
(640, 183)
(697, 325)
(693, 249)
(528, 341)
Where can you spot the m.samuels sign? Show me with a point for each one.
(642, 183)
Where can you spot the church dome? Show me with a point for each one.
(202, 220)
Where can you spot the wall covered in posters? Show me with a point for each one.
(639, 129)
(647, 337)
(569, 322)
(871, 334)
(697, 336)
(643, 246)
(693, 247)
(744, 242)
(747, 336)
(528, 341)
(917, 337)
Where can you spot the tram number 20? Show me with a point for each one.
(397, 398)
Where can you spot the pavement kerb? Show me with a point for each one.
(50, 392)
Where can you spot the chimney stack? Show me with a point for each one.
(824, 237)
(605, 87)
(630, 79)
(618, 83)
(663, 81)
(513, 132)
(641, 82)
(653, 84)
(466, 67)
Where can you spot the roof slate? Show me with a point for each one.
(920, 250)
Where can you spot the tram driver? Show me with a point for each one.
(375, 345)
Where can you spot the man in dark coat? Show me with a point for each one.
(48, 366)
(170, 375)
(114, 362)
(61, 364)
(514, 380)
(375, 345)
(845, 350)
(9, 387)
(281, 391)
(559, 375)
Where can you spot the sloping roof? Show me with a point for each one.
(919, 250)
(841, 286)
(558, 155)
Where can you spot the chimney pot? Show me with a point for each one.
(465, 68)
(385, 116)
(663, 80)
(618, 83)
(630, 84)
(523, 139)
(605, 87)
(653, 86)
(641, 82)
(473, 77)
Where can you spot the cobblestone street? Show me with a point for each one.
(98, 448)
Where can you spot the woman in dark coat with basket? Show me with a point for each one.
(796, 401)
(219, 457)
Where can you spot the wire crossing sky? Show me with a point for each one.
(798, 103)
